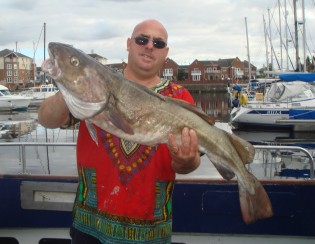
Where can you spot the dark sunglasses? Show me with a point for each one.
(143, 40)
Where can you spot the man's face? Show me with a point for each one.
(146, 51)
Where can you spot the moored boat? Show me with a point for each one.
(289, 99)
(39, 93)
(11, 102)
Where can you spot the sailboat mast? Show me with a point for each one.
(280, 30)
(297, 56)
(270, 40)
(249, 66)
(44, 49)
(266, 43)
(286, 35)
(304, 36)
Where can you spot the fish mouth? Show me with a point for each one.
(50, 66)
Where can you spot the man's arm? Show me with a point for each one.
(53, 112)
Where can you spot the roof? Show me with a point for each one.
(226, 62)
(6, 52)
(94, 55)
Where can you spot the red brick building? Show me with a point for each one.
(16, 69)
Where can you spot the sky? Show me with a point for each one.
(203, 30)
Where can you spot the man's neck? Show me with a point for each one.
(148, 81)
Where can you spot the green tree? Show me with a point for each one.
(181, 75)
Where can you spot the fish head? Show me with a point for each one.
(79, 77)
(75, 72)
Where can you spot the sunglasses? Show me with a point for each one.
(143, 40)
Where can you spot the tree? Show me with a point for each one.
(181, 75)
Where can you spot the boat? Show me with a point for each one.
(288, 102)
(39, 93)
(38, 204)
(11, 102)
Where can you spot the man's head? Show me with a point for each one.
(147, 47)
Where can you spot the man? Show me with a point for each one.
(125, 189)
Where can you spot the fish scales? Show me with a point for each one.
(131, 111)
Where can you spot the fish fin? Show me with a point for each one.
(224, 172)
(244, 149)
(92, 131)
(193, 108)
(256, 205)
(119, 121)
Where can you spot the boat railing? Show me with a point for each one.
(305, 162)
(55, 157)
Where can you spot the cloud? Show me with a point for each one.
(21, 4)
(203, 30)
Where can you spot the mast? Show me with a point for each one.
(280, 30)
(297, 56)
(270, 40)
(304, 36)
(286, 35)
(44, 49)
(266, 44)
(249, 66)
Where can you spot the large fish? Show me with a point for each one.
(105, 98)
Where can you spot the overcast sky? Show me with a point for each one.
(203, 30)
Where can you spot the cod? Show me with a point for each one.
(104, 98)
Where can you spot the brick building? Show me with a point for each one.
(200, 71)
(16, 69)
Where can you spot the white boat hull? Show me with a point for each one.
(14, 102)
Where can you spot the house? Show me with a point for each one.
(201, 71)
(16, 69)
(99, 58)
(119, 67)
(204, 71)
(170, 69)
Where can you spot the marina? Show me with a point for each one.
(289, 103)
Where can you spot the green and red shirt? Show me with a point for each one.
(125, 189)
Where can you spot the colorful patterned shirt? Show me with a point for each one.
(125, 189)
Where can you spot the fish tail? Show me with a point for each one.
(254, 205)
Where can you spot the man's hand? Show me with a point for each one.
(186, 157)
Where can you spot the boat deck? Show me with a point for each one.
(37, 194)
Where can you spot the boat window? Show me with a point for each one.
(54, 241)
(8, 240)
(279, 91)
(5, 92)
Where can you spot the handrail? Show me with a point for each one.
(292, 148)
(268, 147)
(24, 144)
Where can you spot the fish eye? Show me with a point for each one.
(74, 61)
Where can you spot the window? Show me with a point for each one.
(195, 77)
(168, 72)
(9, 80)
(9, 66)
(9, 72)
(15, 73)
(15, 66)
